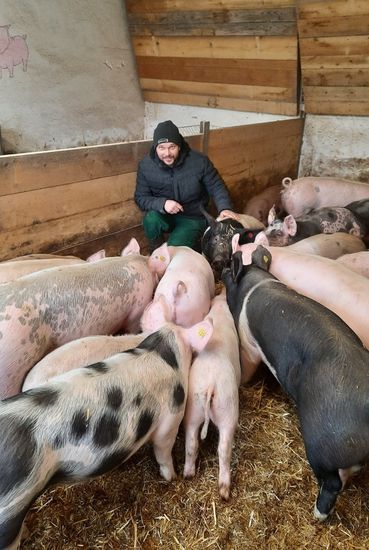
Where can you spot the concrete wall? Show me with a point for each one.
(79, 86)
(336, 146)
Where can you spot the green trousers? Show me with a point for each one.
(183, 231)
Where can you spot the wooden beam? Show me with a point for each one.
(163, 6)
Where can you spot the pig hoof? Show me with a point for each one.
(224, 492)
(167, 474)
(318, 515)
(189, 472)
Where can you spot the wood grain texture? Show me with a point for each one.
(163, 6)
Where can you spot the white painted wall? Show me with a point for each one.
(336, 146)
(190, 117)
(80, 86)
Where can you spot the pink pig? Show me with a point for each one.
(10, 271)
(13, 51)
(187, 283)
(213, 393)
(356, 261)
(46, 309)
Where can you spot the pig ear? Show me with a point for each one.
(236, 266)
(156, 314)
(261, 257)
(235, 242)
(96, 256)
(199, 335)
(289, 225)
(159, 260)
(272, 215)
(132, 248)
(209, 218)
(261, 238)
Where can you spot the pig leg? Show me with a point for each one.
(193, 419)
(330, 485)
(163, 441)
(226, 435)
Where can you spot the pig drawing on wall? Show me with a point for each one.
(13, 51)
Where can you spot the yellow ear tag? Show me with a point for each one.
(162, 258)
(201, 332)
(266, 259)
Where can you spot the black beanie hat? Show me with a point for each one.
(167, 132)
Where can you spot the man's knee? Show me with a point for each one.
(154, 224)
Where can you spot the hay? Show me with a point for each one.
(271, 504)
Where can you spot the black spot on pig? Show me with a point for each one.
(114, 397)
(158, 343)
(10, 528)
(44, 397)
(79, 425)
(178, 395)
(137, 400)
(144, 424)
(112, 461)
(17, 447)
(100, 367)
(58, 442)
(106, 430)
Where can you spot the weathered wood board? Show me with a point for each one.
(229, 55)
(334, 48)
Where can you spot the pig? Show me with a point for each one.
(329, 245)
(213, 393)
(88, 421)
(217, 238)
(13, 51)
(323, 220)
(319, 362)
(39, 256)
(10, 271)
(187, 283)
(309, 193)
(326, 281)
(260, 205)
(357, 261)
(78, 353)
(44, 310)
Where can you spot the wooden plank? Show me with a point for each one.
(262, 72)
(264, 93)
(251, 157)
(329, 107)
(67, 231)
(333, 8)
(38, 206)
(272, 107)
(334, 45)
(333, 77)
(219, 47)
(163, 6)
(46, 169)
(337, 93)
(335, 62)
(254, 28)
(336, 26)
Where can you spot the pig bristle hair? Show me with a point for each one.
(271, 505)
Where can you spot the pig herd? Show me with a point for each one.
(99, 357)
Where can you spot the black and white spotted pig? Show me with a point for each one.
(90, 420)
(323, 220)
(318, 360)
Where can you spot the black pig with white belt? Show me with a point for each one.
(318, 360)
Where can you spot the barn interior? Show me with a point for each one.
(267, 89)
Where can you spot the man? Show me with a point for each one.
(173, 181)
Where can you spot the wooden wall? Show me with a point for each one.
(334, 49)
(229, 54)
(77, 201)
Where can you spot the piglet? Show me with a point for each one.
(88, 421)
(213, 393)
(187, 283)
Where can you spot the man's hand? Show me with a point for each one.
(227, 214)
(172, 207)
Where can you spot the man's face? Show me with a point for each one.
(167, 152)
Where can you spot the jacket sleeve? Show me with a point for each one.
(143, 195)
(216, 187)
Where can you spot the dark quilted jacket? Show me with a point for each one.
(191, 181)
